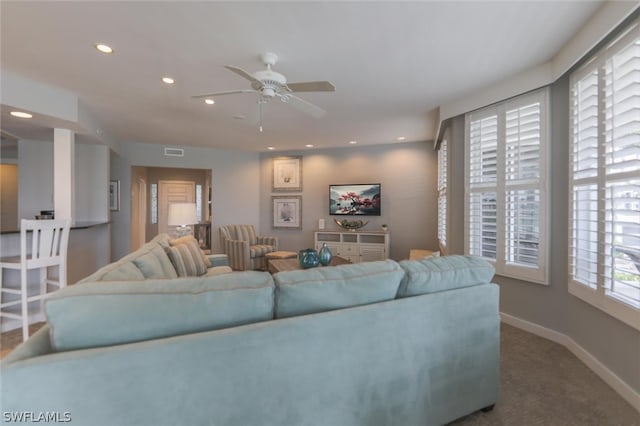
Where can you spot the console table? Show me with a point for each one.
(355, 246)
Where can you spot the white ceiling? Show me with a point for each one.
(392, 63)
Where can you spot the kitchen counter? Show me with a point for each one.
(77, 225)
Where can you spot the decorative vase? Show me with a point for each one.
(325, 255)
(308, 258)
(350, 225)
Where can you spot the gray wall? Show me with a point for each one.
(611, 342)
(235, 177)
(407, 172)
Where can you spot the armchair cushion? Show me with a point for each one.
(260, 250)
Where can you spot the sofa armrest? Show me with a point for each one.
(218, 259)
(238, 254)
(268, 240)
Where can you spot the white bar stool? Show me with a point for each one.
(49, 240)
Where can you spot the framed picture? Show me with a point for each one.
(114, 195)
(287, 212)
(287, 174)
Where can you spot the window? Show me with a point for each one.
(199, 203)
(604, 235)
(505, 203)
(154, 203)
(442, 191)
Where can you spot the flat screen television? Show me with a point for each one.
(355, 199)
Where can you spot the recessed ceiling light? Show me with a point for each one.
(168, 80)
(21, 114)
(309, 145)
(353, 142)
(209, 101)
(103, 48)
(400, 138)
(271, 148)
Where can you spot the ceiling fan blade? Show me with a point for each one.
(229, 92)
(244, 74)
(304, 106)
(312, 86)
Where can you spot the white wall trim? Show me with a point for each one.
(609, 377)
(605, 20)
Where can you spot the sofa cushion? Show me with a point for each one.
(110, 313)
(187, 259)
(259, 250)
(150, 266)
(127, 271)
(122, 269)
(218, 270)
(433, 274)
(326, 288)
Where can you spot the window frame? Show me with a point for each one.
(442, 190)
(597, 296)
(538, 274)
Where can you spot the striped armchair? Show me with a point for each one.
(244, 248)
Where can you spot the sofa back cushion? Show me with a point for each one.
(326, 288)
(433, 274)
(149, 261)
(155, 263)
(110, 313)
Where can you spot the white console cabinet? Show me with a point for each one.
(359, 246)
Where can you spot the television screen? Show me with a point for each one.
(358, 199)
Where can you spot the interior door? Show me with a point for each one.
(173, 191)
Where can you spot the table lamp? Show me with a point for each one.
(181, 215)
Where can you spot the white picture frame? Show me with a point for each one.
(287, 212)
(287, 174)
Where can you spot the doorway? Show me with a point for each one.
(164, 185)
(172, 191)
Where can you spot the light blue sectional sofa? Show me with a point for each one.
(377, 343)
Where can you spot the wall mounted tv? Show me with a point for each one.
(355, 199)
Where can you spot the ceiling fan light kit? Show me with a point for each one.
(270, 84)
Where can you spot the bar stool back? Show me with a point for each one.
(49, 240)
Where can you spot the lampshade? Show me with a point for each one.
(181, 214)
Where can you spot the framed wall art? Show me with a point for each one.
(114, 195)
(287, 212)
(287, 174)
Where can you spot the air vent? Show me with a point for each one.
(174, 152)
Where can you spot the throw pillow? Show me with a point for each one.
(187, 259)
(189, 239)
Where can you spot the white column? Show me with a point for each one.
(64, 174)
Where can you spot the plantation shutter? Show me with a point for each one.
(605, 179)
(483, 172)
(506, 195)
(622, 157)
(522, 183)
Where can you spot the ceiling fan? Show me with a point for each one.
(270, 84)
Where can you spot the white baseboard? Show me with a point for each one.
(609, 377)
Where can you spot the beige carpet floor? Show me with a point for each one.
(541, 384)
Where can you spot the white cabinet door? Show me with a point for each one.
(369, 253)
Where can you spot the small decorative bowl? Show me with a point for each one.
(350, 225)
